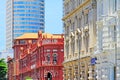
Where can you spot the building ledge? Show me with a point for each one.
(75, 10)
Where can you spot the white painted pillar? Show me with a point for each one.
(118, 28)
(111, 70)
(99, 35)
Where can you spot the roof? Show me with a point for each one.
(35, 36)
(47, 35)
(28, 36)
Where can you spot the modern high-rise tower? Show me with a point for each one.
(23, 16)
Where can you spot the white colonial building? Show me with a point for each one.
(108, 40)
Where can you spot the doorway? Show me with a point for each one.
(49, 76)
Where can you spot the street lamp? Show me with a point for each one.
(78, 32)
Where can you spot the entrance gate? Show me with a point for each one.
(49, 76)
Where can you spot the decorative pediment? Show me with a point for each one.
(86, 34)
(67, 39)
(72, 35)
(86, 11)
(78, 31)
(86, 28)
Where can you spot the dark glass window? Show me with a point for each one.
(54, 58)
(48, 58)
(22, 41)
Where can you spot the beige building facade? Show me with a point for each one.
(80, 38)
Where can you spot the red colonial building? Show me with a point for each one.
(10, 73)
(39, 56)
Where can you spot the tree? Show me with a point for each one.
(3, 69)
(28, 78)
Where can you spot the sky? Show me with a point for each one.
(2, 24)
(53, 19)
(53, 16)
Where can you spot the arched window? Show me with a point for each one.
(54, 58)
(48, 58)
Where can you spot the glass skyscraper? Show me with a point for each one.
(23, 16)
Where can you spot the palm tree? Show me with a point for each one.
(3, 69)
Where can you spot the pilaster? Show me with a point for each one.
(118, 27)
(99, 35)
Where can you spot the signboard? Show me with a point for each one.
(93, 61)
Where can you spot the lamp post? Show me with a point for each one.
(115, 73)
(78, 32)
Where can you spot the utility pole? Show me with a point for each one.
(115, 40)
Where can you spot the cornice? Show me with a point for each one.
(75, 10)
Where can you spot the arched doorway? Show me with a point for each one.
(49, 76)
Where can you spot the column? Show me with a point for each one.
(118, 4)
(118, 27)
(76, 42)
(70, 47)
(99, 35)
(91, 73)
(111, 70)
(118, 72)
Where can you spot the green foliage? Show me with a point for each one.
(27, 77)
(3, 69)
